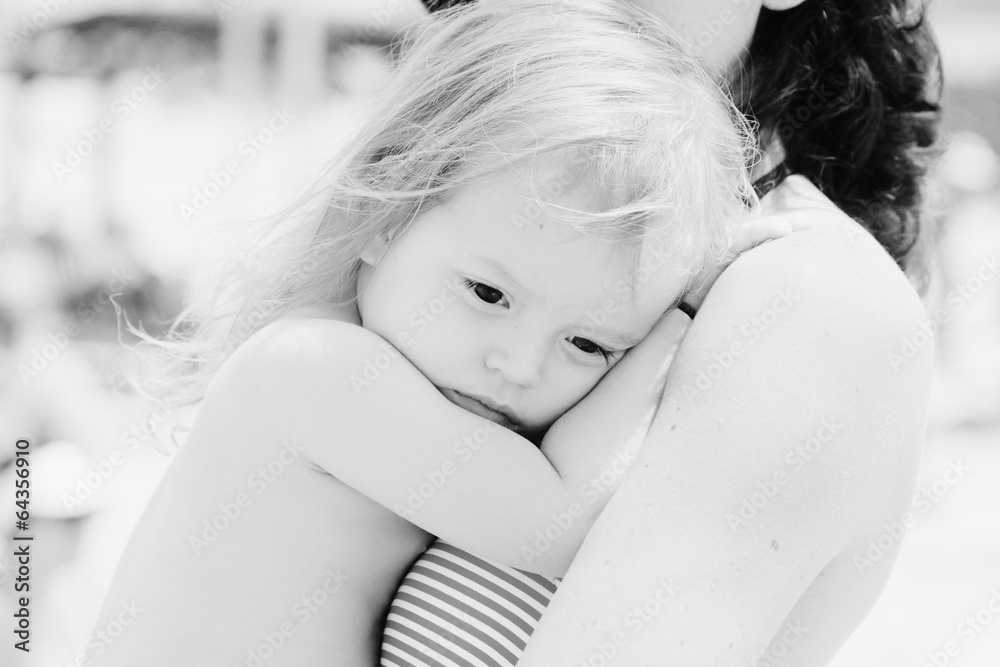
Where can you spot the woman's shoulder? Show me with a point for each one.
(831, 261)
(825, 320)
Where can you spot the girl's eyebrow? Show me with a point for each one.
(502, 271)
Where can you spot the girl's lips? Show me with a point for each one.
(477, 407)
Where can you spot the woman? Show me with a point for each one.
(760, 520)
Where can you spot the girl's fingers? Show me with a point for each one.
(751, 234)
(755, 232)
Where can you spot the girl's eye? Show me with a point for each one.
(590, 347)
(485, 292)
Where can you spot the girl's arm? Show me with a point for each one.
(789, 432)
(368, 417)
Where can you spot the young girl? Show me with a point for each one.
(501, 231)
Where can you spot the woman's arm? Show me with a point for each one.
(798, 340)
(367, 416)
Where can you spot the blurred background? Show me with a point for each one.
(130, 127)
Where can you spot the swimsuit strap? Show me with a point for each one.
(687, 309)
(761, 186)
(771, 179)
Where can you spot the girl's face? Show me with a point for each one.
(510, 314)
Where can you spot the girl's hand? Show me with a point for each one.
(775, 221)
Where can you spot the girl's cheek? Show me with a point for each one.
(576, 382)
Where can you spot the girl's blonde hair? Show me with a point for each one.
(480, 88)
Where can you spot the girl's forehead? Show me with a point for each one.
(539, 190)
(496, 224)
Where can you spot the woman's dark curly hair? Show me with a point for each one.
(851, 88)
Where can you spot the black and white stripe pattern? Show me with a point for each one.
(456, 610)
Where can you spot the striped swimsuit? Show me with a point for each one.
(456, 610)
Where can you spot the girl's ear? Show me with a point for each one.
(781, 5)
(375, 249)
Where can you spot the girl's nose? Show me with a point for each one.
(519, 364)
